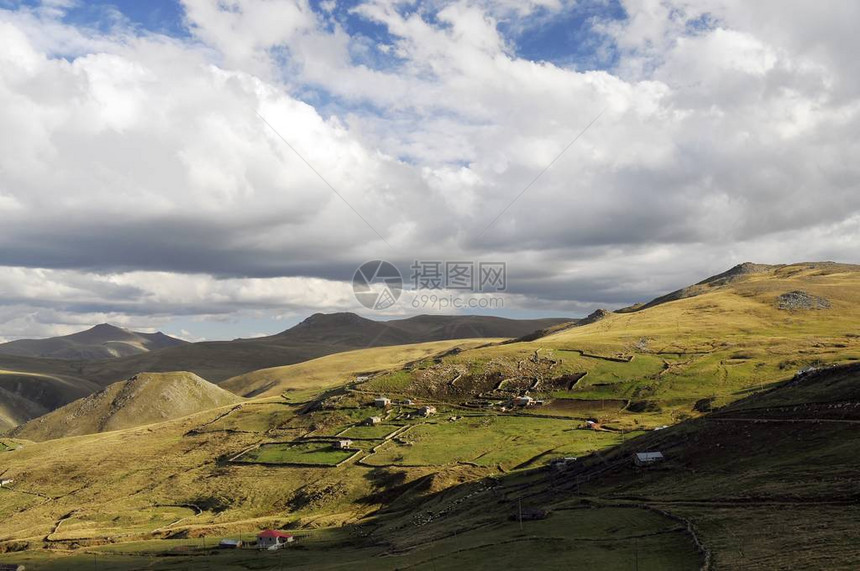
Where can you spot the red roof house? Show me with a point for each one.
(273, 539)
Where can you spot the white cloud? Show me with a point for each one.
(727, 135)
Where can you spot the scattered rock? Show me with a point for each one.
(800, 300)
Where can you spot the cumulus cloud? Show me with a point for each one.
(139, 183)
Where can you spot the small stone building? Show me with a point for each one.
(647, 458)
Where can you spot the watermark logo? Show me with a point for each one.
(377, 284)
(436, 284)
(476, 277)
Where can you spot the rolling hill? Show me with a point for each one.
(337, 369)
(145, 398)
(739, 273)
(101, 342)
(56, 382)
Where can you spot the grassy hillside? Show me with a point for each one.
(143, 399)
(768, 482)
(333, 370)
(440, 491)
(665, 362)
(101, 342)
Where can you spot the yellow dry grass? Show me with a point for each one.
(334, 370)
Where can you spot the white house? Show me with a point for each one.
(273, 539)
(647, 458)
(382, 402)
(523, 401)
(6, 482)
(343, 444)
(427, 410)
(373, 421)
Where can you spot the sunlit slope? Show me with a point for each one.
(674, 359)
(739, 312)
(719, 343)
(144, 399)
(337, 369)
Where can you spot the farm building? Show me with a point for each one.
(523, 401)
(373, 421)
(382, 402)
(273, 539)
(427, 410)
(408, 402)
(647, 458)
(343, 444)
(230, 544)
(562, 463)
(6, 482)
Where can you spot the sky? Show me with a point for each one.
(220, 168)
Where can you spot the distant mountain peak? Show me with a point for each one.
(743, 269)
(107, 327)
(344, 317)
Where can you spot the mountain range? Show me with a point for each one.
(37, 376)
(101, 342)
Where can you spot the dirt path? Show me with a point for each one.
(56, 526)
(195, 508)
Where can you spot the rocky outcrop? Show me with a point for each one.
(801, 301)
